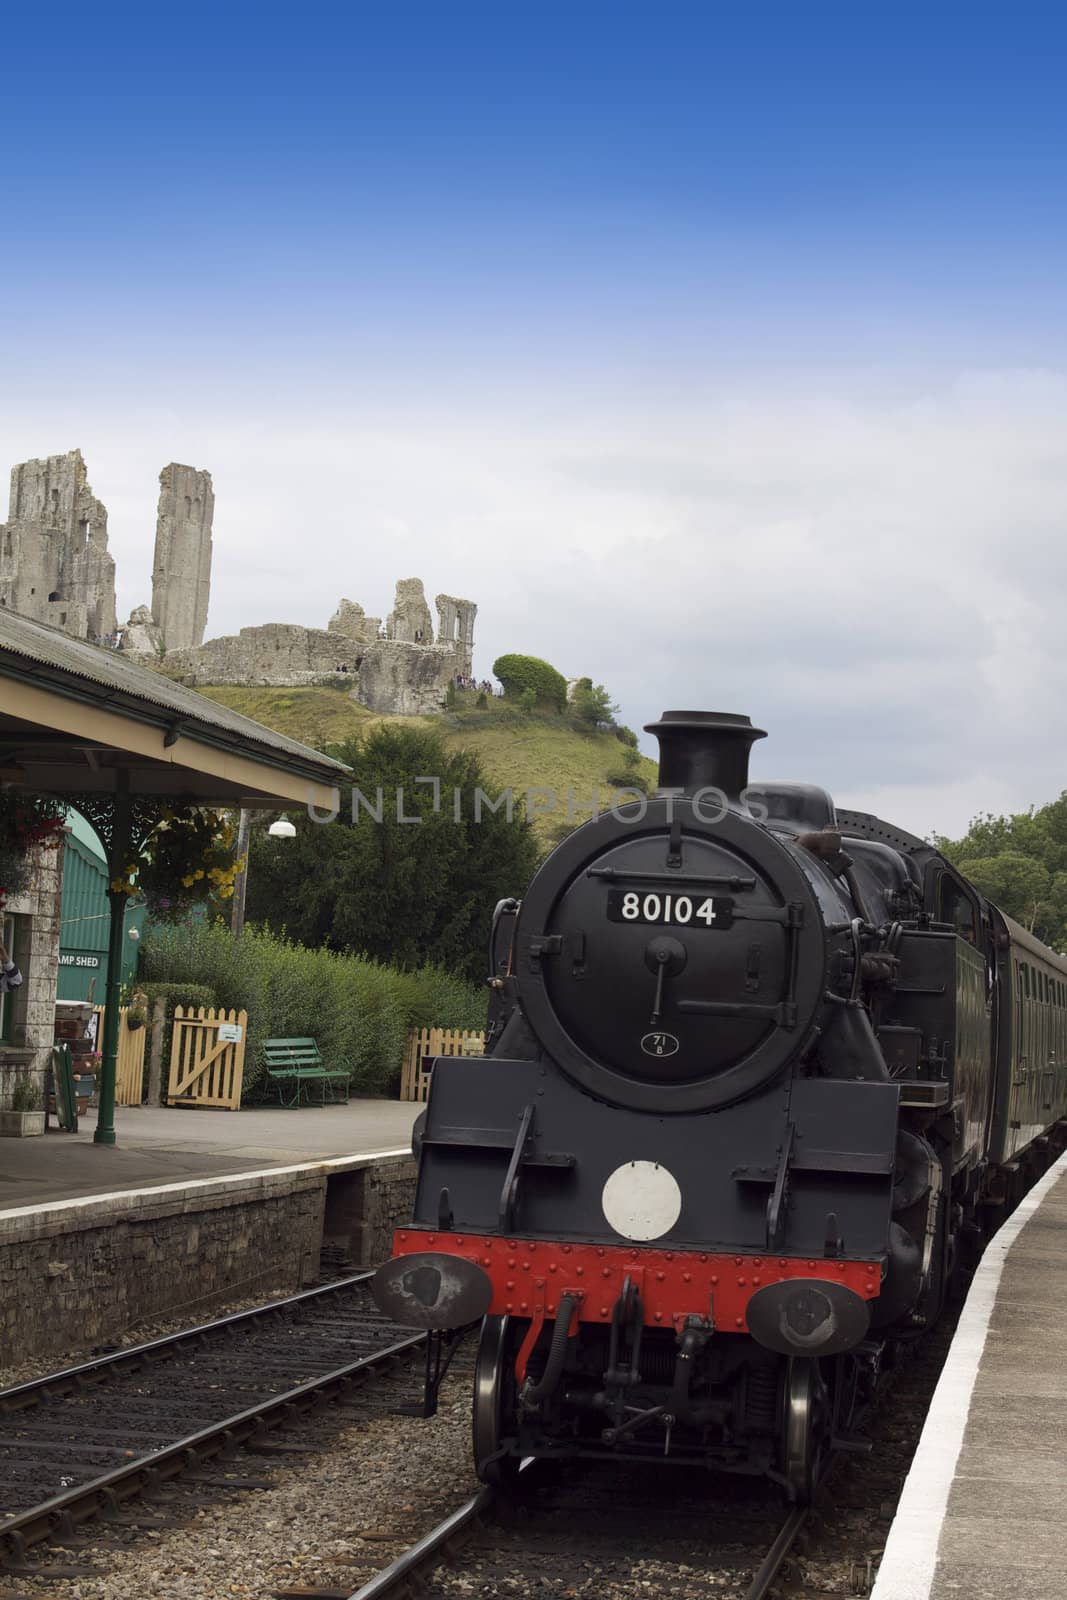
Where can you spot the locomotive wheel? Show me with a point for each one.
(493, 1403)
(805, 1429)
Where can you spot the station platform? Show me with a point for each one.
(984, 1508)
(189, 1210)
(159, 1145)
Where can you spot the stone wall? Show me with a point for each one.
(86, 1273)
(397, 671)
(54, 561)
(33, 1004)
(406, 680)
(351, 620)
(364, 1207)
(455, 628)
(181, 565)
(78, 1276)
(276, 653)
(409, 621)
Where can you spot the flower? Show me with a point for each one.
(27, 822)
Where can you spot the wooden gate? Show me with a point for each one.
(129, 1070)
(207, 1058)
(425, 1043)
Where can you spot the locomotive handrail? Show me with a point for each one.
(668, 875)
(510, 1191)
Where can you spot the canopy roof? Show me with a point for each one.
(80, 718)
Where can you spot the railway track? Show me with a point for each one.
(81, 1442)
(593, 1533)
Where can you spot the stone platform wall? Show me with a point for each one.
(86, 1272)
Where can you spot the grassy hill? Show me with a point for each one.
(539, 750)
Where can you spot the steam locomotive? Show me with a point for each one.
(760, 1076)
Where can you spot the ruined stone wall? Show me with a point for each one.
(409, 622)
(54, 561)
(181, 567)
(456, 628)
(401, 674)
(351, 620)
(405, 680)
(277, 653)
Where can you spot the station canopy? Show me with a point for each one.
(77, 718)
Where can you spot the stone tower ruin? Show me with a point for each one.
(54, 561)
(181, 569)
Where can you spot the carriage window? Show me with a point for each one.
(1026, 980)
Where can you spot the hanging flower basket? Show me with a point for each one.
(187, 860)
(27, 822)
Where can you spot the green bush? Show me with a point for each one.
(517, 673)
(591, 705)
(528, 700)
(359, 1011)
(190, 996)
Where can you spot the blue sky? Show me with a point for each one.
(715, 350)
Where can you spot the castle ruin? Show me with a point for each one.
(54, 567)
(181, 568)
(54, 562)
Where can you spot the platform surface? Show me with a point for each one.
(984, 1510)
(158, 1145)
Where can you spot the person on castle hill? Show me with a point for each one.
(10, 976)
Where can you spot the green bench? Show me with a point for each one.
(295, 1067)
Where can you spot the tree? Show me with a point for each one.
(592, 705)
(1020, 862)
(517, 673)
(404, 891)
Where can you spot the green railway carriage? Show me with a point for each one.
(1031, 1042)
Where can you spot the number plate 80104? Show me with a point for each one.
(660, 909)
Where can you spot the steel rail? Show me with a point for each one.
(414, 1563)
(772, 1561)
(404, 1575)
(35, 1389)
(59, 1516)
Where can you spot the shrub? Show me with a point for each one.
(517, 673)
(625, 735)
(591, 705)
(358, 1010)
(528, 700)
(26, 1095)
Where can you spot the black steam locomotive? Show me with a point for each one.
(760, 1076)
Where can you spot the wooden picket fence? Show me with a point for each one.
(206, 1069)
(129, 1071)
(425, 1043)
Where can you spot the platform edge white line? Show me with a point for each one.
(910, 1559)
(219, 1180)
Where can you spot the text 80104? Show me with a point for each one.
(673, 910)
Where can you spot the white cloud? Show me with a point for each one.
(878, 581)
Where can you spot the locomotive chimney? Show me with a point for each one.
(704, 750)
